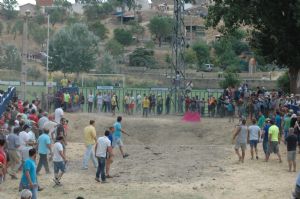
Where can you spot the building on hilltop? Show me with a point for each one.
(25, 7)
(43, 4)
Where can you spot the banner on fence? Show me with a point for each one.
(105, 87)
(215, 90)
(38, 83)
(159, 89)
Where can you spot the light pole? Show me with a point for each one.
(24, 55)
(47, 65)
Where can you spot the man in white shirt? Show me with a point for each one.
(59, 160)
(103, 147)
(24, 140)
(58, 114)
(253, 137)
(90, 102)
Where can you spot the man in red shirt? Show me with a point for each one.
(3, 163)
(33, 116)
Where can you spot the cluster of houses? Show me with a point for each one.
(44, 4)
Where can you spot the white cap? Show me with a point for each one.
(26, 194)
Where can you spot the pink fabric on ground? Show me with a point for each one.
(191, 117)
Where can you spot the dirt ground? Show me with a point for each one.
(168, 159)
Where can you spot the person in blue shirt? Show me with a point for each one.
(117, 136)
(44, 147)
(29, 179)
(278, 121)
(265, 137)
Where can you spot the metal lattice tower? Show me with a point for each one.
(178, 45)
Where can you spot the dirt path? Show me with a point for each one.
(168, 159)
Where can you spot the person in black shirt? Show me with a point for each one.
(291, 143)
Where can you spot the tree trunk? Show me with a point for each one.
(294, 73)
(159, 41)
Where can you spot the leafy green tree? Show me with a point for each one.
(202, 52)
(63, 4)
(1, 27)
(98, 29)
(190, 56)
(11, 58)
(95, 10)
(17, 28)
(283, 82)
(136, 29)
(72, 20)
(8, 8)
(230, 80)
(142, 57)
(161, 27)
(123, 36)
(57, 14)
(274, 27)
(73, 49)
(107, 63)
(40, 19)
(114, 48)
(38, 33)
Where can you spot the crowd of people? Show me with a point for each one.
(30, 138)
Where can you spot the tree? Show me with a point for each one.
(38, 33)
(11, 58)
(1, 28)
(114, 48)
(73, 49)
(202, 52)
(283, 83)
(98, 29)
(190, 56)
(57, 14)
(161, 27)
(95, 10)
(274, 27)
(17, 28)
(107, 63)
(136, 29)
(123, 36)
(142, 57)
(230, 80)
(8, 8)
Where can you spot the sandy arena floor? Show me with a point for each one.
(168, 159)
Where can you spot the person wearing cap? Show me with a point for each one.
(265, 136)
(274, 140)
(240, 138)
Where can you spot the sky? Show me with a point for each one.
(22, 2)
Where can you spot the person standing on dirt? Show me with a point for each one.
(253, 137)
(291, 143)
(117, 136)
(240, 138)
(168, 104)
(265, 136)
(274, 139)
(109, 158)
(261, 120)
(58, 114)
(103, 147)
(89, 139)
(90, 102)
(59, 160)
(146, 106)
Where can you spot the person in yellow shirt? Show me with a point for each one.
(146, 105)
(274, 139)
(64, 82)
(90, 139)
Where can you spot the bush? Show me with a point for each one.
(123, 36)
(231, 80)
(283, 82)
(142, 57)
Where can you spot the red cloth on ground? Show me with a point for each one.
(191, 117)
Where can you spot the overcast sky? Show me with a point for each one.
(22, 2)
